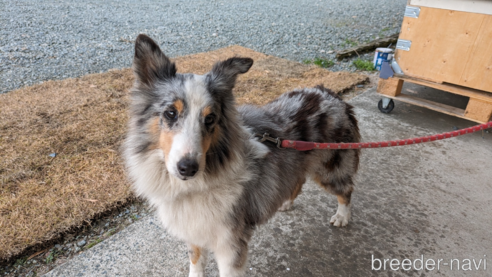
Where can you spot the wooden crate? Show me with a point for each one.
(479, 108)
(451, 50)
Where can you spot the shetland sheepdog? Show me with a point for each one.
(193, 154)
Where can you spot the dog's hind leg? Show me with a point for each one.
(287, 205)
(342, 216)
(336, 176)
(198, 260)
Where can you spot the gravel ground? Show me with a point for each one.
(42, 40)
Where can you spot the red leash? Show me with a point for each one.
(306, 145)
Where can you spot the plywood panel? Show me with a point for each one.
(478, 70)
(474, 6)
(441, 41)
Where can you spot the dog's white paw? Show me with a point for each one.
(341, 218)
(287, 206)
(197, 274)
(197, 268)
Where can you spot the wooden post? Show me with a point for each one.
(478, 110)
(390, 86)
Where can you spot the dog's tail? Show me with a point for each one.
(327, 90)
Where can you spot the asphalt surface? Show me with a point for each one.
(57, 39)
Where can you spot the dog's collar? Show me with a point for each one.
(267, 137)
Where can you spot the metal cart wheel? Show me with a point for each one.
(386, 105)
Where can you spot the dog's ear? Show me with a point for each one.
(223, 76)
(149, 63)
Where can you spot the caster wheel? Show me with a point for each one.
(389, 107)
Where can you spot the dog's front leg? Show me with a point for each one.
(231, 258)
(198, 261)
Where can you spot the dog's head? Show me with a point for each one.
(183, 115)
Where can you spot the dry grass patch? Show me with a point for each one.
(83, 121)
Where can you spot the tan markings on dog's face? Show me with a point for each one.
(154, 126)
(166, 142)
(154, 131)
(178, 104)
(194, 254)
(206, 111)
(163, 138)
(208, 140)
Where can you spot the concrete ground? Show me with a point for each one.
(431, 199)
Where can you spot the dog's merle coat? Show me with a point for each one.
(194, 156)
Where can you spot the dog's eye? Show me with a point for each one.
(210, 119)
(171, 114)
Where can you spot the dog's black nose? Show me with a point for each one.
(187, 167)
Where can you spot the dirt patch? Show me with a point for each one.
(60, 142)
(80, 123)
